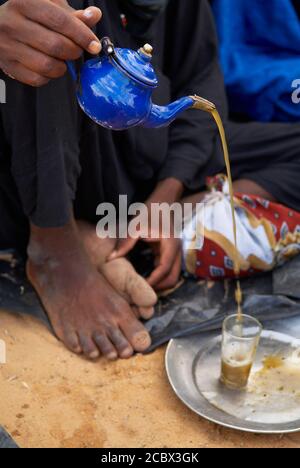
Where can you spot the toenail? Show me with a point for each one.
(112, 356)
(142, 338)
(142, 342)
(94, 355)
(127, 353)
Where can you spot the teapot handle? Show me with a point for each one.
(108, 49)
(107, 46)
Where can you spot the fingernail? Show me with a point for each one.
(88, 13)
(94, 47)
(113, 255)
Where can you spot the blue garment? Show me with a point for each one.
(260, 55)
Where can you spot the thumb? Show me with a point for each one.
(123, 247)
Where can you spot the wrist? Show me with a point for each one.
(169, 190)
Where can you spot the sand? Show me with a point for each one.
(51, 398)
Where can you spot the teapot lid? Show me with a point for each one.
(138, 64)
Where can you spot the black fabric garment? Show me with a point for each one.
(52, 157)
(268, 154)
(146, 9)
(139, 14)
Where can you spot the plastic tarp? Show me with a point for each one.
(5, 440)
(194, 307)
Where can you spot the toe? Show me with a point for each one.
(88, 346)
(124, 348)
(105, 345)
(136, 334)
(71, 340)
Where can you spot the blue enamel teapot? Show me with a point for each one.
(115, 90)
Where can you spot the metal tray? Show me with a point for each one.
(270, 405)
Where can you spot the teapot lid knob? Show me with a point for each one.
(137, 64)
(147, 50)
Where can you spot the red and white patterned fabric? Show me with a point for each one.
(268, 234)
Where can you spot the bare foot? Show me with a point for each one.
(86, 312)
(120, 273)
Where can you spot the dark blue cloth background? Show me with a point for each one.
(260, 55)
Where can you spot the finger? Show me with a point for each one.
(136, 311)
(169, 253)
(91, 16)
(105, 345)
(172, 278)
(146, 312)
(24, 75)
(63, 3)
(58, 19)
(139, 291)
(159, 274)
(135, 289)
(38, 62)
(48, 42)
(122, 345)
(88, 346)
(163, 269)
(124, 246)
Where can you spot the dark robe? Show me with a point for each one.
(53, 158)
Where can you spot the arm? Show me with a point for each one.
(191, 63)
(169, 190)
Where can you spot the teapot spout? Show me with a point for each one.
(162, 116)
